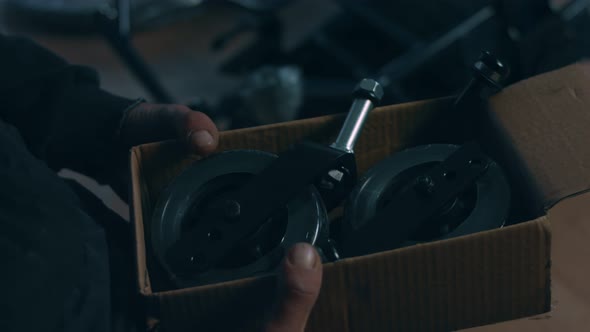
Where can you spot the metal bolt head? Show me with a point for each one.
(491, 67)
(370, 89)
(232, 209)
(425, 185)
(335, 174)
(492, 62)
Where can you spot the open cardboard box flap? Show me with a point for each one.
(546, 121)
(446, 285)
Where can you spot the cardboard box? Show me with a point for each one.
(536, 129)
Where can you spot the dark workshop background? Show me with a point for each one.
(249, 62)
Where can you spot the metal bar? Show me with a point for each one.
(367, 93)
(353, 125)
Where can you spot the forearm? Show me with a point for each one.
(53, 255)
(60, 110)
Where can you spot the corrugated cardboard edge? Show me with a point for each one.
(524, 248)
(556, 102)
(491, 293)
(138, 229)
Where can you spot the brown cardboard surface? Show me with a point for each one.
(546, 121)
(435, 287)
(570, 274)
(459, 283)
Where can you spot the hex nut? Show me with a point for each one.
(370, 89)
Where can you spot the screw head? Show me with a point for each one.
(370, 89)
(425, 185)
(491, 67)
(232, 209)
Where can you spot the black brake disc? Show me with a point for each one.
(198, 192)
(483, 206)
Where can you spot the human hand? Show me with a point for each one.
(149, 122)
(301, 271)
(299, 285)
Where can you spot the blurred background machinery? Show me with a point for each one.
(260, 62)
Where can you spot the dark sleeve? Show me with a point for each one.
(55, 267)
(60, 110)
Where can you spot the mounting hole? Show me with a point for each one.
(450, 175)
(475, 162)
(214, 235)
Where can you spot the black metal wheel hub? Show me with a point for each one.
(483, 205)
(203, 192)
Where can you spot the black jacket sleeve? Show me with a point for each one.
(60, 110)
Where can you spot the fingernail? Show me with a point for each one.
(302, 255)
(202, 138)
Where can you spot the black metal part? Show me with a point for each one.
(419, 201)
(488, 75)
(202, 198)
(259, 198)
(336, 184)
(239, 216)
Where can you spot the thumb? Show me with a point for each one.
(299, 286)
